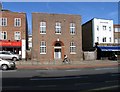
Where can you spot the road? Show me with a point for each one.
(88, 79)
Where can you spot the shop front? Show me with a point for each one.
(108, 52)
(12, 46)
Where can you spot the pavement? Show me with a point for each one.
(74, 65)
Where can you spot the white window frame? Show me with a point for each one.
(72, 28)
(43, 47)
(104, 39)
(58, 28)
(104, 27)
(43, 27)
(117, 29)
(17, 22)
(3, 21)
(116, 40)
(110, 39)
(17, 36)
(109, 28)
(97, 39)
(2, 35)
(97, 28)
(72, 48)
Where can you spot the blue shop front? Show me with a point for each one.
(108, 52)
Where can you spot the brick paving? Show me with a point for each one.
(73, 65)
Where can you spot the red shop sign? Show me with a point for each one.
(13, 43)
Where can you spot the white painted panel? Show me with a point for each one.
(23, 48)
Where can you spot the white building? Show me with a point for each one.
(103, 31)
(97, 31)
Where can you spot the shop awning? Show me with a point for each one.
(109, 48)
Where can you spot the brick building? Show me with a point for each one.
(56, 35)
(13, 32)
(117, 34)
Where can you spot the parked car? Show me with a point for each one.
(9, 55)
(4, 64)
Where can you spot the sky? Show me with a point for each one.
(87, 10)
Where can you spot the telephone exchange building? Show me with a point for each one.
(56, 35)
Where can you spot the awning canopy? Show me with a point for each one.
(109, 48)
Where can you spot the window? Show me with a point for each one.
(42, 47)
(104, 27)
(17, 36)
(72, 28)
(110, 39)
(97, 39)
(58, 28)
(17, 22)
(42, 27)
(117, 40)
(3, 21)
(97, 28)
(109, 28)
(72, 48)
(104, 39)
(3, 35)
(117, 29)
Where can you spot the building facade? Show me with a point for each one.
(56, 35)
(13, 32)
(97, 31)
(117, 34)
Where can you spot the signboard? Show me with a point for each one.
(12, 43)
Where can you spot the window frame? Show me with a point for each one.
(16, 35)
(72, 28)
(42, 27)
(58, 28)
(3, 35)
(72, 48)
(43, 48)
(104, 39)
(17, 22)
(3, 21)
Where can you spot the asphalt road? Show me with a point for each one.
(90, 79)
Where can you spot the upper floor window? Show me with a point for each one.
(42, 27)
(58, 28)
(97, 28)
(117, 29)
(104, 39)
(110, 39)
(3, 35)
(104, 27)
(3, 21)
(109, 28)
(72, 48)
(17, 35)
(97, 39)
(42, 47)
(72, 28)
(17, 22)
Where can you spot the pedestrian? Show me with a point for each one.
(65, 59)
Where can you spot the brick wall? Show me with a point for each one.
(50, 37)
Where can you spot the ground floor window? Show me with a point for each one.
(72, 48)
(42, 47)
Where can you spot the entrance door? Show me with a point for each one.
(57, 54)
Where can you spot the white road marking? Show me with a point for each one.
(104, 68)
(72, 70)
